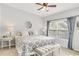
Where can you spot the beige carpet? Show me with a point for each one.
(13, 52)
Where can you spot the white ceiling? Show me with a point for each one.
(32, 8)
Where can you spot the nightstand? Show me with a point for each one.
(6, 40)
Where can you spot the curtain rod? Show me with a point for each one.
(63, 18)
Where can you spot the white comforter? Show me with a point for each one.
(34, 42)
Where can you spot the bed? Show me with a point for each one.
(27, 45)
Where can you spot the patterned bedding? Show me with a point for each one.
(34, 42)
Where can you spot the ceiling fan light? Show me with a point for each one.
(44, 8)
(47, 9)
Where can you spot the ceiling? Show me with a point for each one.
(32, 8)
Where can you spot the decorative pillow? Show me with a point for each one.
(30, 33)
(18, 34)
(25, 34)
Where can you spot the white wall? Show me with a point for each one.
(0, 17)
(63, 14)
(0, 14)
(18, 17)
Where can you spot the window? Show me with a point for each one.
(58, 29)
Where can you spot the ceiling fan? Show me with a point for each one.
(45, 6)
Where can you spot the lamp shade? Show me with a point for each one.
(9, 28)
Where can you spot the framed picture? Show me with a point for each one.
(28, 24)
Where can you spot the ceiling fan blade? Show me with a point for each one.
(39, 4)
(51, 5)
(40, 8)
